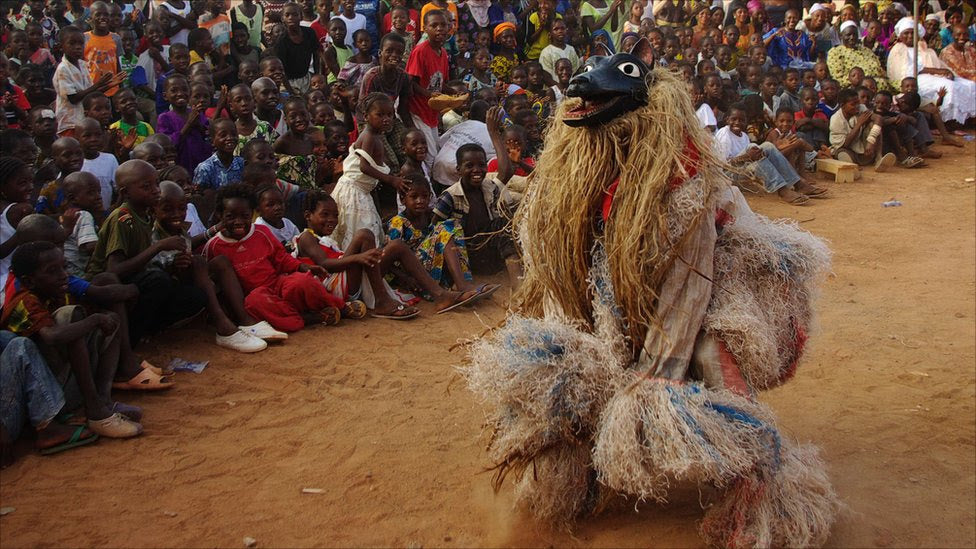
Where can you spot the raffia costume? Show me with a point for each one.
(655, 306)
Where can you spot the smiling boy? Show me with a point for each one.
(428, 66)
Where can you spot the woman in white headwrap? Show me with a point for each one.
(850, 53)
(959, 102)
(819, 29)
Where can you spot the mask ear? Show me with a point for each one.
(603, 50)
(643, 51)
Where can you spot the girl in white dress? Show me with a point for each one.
(362, 171)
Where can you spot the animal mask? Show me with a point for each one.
(610, 86)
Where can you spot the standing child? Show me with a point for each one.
(363, 170)
(357, 65)
(179, 58)
(298, 48)
(402, 24)
(558, 49)
(251, 15)
(186, 126)
(100, 164)
(337, 51)
(68, 157)
(83, 195)
(278, 288)
(240, 102)
(353, 20)
(223, 167)
(296, 161)
(72, 81)
(130, 130)
(266, 97)
(429, 67)
(102, 47)
(480, 75)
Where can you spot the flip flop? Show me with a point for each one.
(146, 380)
(330, 316)
(399, 308)
(145, 365)
(458, 301)
(74, 441)
(484, 291)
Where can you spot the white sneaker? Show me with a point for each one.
(264, 331)
(115, 426)
(240, 341)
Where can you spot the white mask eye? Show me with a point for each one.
(629, 69)
(587, 68)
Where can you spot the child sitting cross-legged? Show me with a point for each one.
(279, 289)
(248, 336)
(362, 258)
(796, 150)
(85, 347)
(438, 245)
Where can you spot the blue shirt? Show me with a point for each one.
(211, 173)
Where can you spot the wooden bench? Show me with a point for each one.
(844, 172)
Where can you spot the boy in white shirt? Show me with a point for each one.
(100, 164)
(777, 175)
(72, 81)
(82, 193)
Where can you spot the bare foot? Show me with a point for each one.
(951, 141)
(792, 197)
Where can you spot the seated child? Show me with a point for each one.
(336, 149)
(278, 288)
(855, 134)
(796, 150)
(83, 202)
(16, 183)
(69, 158)
(125, 248)
(169, 149)
(772, 168)
(791, 86)
(515, 144)
(811, 123)
(223, 167)
(271, 214)
(186, 126)
(150, 152)
(362, 257)
(249, 335)
(476, 203)
(85, 347)
(100, 164)
(439, 246)
(898, 131)
(829, 89)
(241, 105)
(199, 234)
(910, 103)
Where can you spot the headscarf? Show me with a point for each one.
(817, 7)
(847, 24)
(906, 23)
(500, 28)
(606, 36)
(479, 11)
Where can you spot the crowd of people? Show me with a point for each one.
(276, 165)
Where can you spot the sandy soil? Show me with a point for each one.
(372, 413)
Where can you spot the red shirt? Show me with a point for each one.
(413, 24)
(493, 166)
(321, 32)
(258, 258)
(817, 115)
(432, 69)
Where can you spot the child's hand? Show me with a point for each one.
(494, 120)
(316, 270)
(69, 218)
(128, 140)
(182, 261)
(399, 183)
(370, 258)
(172, 244)
(106, 323)
(942, 92)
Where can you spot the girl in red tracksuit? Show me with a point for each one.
(280, 289)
